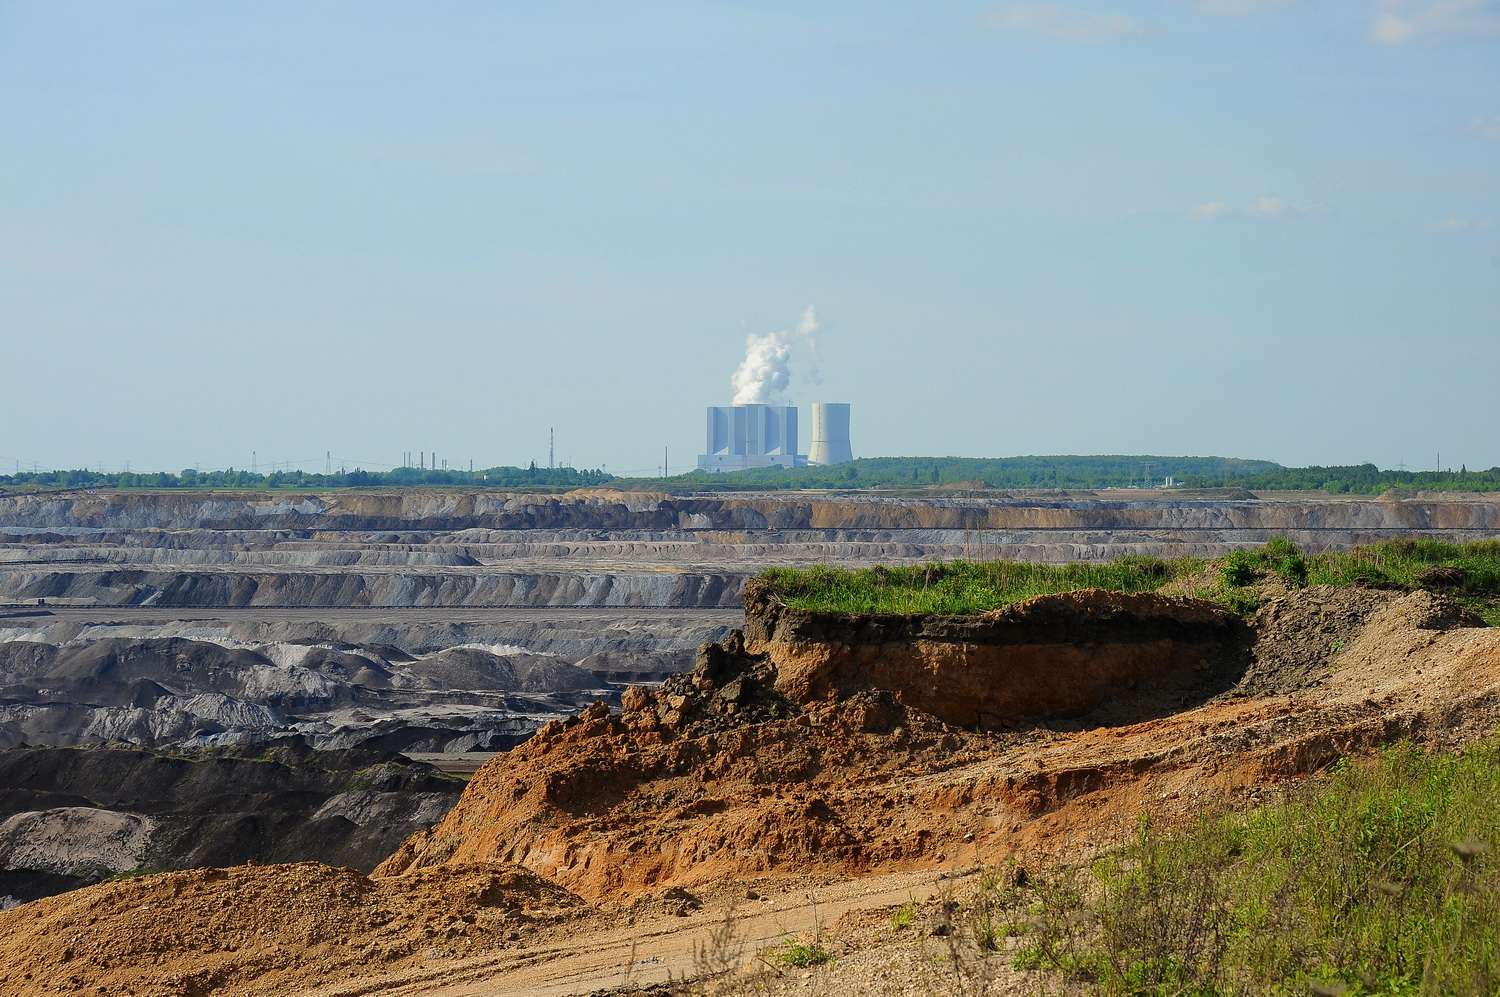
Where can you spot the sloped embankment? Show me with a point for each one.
(791, 745)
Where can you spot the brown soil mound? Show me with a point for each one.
(717, 773)
(281, 928)
(1299, 634)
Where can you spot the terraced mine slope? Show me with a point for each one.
(439, 548)
(800, 756)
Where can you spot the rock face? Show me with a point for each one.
(70, 816)
(1050, 656)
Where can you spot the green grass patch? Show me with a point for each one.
(1469, 572)
(963, 587)
(1380, 879)
(801, 954)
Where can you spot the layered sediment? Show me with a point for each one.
(601, 509)
(600, 548)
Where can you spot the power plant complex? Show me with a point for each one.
(744, 436)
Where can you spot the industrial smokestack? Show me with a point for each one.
(830, 434)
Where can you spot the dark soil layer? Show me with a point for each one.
(288, 804)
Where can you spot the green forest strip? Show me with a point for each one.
(1469, 572)
(1382, 879)
(900, 475)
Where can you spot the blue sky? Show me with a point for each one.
(1236, 227)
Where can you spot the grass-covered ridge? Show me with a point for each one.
(960, 588)
(1470, 572)
(1380, 880)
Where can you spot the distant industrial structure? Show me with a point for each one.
(830, 434)
(745, 436)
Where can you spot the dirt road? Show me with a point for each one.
(729, 931)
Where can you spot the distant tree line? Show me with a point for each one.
(1115, 471)
(1044, 473)
(1358, 479)
(494, 477)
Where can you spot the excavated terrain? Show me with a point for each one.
(399, 680)
(70, 817)
(602, 548)
(803, 756)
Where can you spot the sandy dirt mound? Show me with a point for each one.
(262, 929)
(716, 773)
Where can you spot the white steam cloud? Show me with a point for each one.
(767, 368)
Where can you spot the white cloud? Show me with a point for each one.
(1267, 207)
(1391, 29)
(1065, 23)
(1453, 226)
(1401, 20)
(1264, 207)
(1486, 127)
(1236, 8)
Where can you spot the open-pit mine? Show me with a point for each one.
(664, 741)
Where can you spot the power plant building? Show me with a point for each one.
(744, 436)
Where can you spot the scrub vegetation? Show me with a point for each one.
(1469, 572)
(1380, 879)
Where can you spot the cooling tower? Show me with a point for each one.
(830, 434)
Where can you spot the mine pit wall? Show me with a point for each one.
(362, 589)
(1050, 656)
(600, 548)
(605, 510)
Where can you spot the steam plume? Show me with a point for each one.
(767, 368)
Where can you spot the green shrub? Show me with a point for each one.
(1380, 880)
(801, 954)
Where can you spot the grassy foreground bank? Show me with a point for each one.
(1380, 879)
(1470, 572)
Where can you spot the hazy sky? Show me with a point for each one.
(1236, 227)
